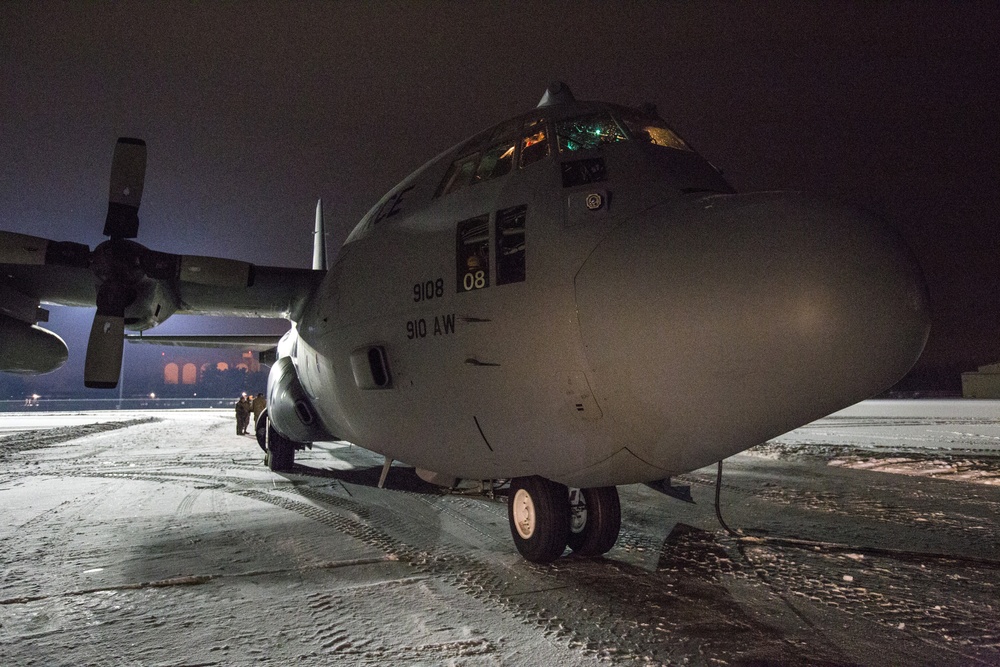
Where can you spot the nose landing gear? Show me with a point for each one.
(601, 520)
(546, 516)
(538, 511)
(279, 452)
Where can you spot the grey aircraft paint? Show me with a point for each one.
(671, 325)
(574, 297)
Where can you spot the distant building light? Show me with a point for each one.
(171, 373)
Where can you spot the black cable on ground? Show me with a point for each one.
(718, 509)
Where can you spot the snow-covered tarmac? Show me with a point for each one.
(168, 543)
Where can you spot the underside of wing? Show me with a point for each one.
(60, 285)
(272, 292)
(257, 343)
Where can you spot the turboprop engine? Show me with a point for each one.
(289, 408)
(29, 349)
(24, 347)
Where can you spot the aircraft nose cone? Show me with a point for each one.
(722, 322)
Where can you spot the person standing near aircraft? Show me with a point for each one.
(242, 415)
(258, 405)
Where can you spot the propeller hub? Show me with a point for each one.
(119, 261)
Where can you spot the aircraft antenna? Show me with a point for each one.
(557, 93)
(319, 240)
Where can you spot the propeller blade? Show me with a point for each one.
(128, 172)
(104, 352)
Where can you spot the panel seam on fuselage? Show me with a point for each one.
(481, 434)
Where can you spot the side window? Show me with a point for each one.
(534, 143)
(496, 162)
(473, 254)
(588, 132)
(459, 174)
(510, 245)
(648, 129)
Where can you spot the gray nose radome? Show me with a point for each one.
(731, 319)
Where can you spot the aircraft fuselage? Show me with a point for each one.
(594, 305)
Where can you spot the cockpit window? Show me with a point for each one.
(649, 129)
(499, 159)
(492, 163)
(534, 143)
(588, 132)
(459, 174)
(496, 162)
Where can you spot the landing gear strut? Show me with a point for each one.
(546, 516)
(260, 430)
(279, 451)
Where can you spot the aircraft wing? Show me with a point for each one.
(268, 291)
(272, 292)
(61, 285)
(132, 286)
(255, 342)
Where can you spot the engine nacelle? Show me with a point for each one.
(29, 349)
(289, 408)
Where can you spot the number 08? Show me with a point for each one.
(473, 281)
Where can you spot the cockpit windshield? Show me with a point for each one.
(499, 158)
(649, 129)
(588, 132)
(520, 143)
(534, 143)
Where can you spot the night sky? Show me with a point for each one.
(251, 111)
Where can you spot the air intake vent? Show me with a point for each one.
(303, 412)
(370, 366)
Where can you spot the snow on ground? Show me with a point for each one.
(166, 542)
(957, 440)
(14, 422)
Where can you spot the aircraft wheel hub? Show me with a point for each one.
(577, 511)
(524, 514)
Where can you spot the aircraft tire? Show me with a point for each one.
(603, 522)
(260, 430)
(280, 451)
(538, 512)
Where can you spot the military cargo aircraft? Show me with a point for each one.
(572, 300)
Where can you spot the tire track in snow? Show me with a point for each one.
(568, 602)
